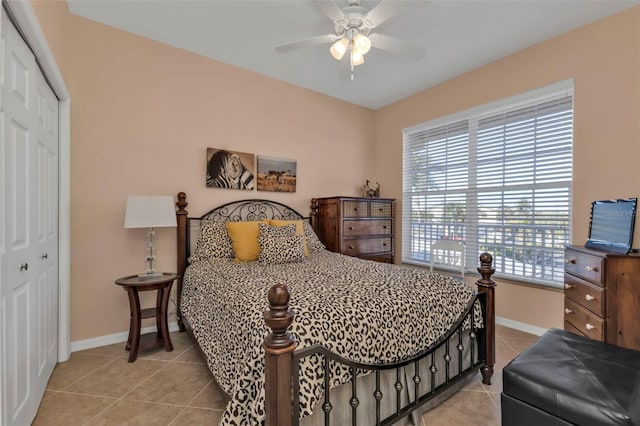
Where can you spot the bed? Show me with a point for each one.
(306, 336)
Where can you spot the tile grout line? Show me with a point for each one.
(168, 362)
(191, 402)
(490, 397)
(102, 411)
(88, 374)
(126, 393)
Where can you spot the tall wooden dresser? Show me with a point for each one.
(602, 296)
(361, 227)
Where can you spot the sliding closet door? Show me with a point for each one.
(29, 282)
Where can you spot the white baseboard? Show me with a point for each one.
(95, 342)
(527, 328)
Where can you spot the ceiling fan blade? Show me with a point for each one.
(397, 46)
(308, 42)
(389, 8)
(330, 9)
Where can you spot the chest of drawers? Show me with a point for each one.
(361, 227)
(602, 296)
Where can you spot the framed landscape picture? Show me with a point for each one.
(230, 169)
(276, 174)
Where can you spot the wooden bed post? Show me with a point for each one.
(313, 217)
(278, 346)
(181, 217)
(487, 285)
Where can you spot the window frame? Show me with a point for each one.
(473, 117)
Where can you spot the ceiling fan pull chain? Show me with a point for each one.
(351, 62)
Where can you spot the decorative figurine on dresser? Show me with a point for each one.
(602, 278)
(356, 226)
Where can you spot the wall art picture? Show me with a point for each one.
(276, 174)
(230, 169)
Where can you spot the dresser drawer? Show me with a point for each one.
(357, 228)
(571, 328)
(586, 294)
(357, 247)
(384, 258)
(381, 209)
(584, 265)
(584, 320)
(355, 208)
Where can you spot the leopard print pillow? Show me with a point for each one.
(313, 242)
(270, 231)
(280, 244)
(213, 242)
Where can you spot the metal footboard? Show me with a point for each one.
(282, 361)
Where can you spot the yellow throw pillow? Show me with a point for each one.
(244, 239)
(299, 230)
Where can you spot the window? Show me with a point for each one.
(498, 179)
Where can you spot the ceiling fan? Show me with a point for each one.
(354, 31)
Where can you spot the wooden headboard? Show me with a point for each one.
(235, 211)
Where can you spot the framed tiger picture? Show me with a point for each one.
(230, 169)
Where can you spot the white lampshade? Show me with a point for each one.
(361, 43)
(339, 48)
(357, 58)
(150, 211)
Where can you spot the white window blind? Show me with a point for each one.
(497, 181)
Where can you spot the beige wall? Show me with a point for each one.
(604, 60)
(143, 114)
(52, 15)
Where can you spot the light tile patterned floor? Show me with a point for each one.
(99, 387)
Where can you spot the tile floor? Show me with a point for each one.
(99, 387)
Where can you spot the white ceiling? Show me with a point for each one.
(458, 35)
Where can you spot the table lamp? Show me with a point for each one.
(150, 211)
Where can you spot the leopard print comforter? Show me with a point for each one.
(366, 311)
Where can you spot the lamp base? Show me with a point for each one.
(150, 275)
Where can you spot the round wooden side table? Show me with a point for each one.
(133, 285)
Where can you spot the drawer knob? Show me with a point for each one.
(384, 227)
(591, 268)
(355, 209)
(350, 247)
(589, 297)
(589, 326)
(567, 286)
(384, 244)
(567, 311)
(570, 261)
(351, 228)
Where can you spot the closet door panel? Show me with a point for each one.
(29, 280)
(47, 218)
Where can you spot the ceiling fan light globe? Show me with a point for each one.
(361, 43)
(339, 48)
(357, 58)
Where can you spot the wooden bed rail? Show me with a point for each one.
(279, 345)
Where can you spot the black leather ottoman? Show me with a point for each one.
(566, 379)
